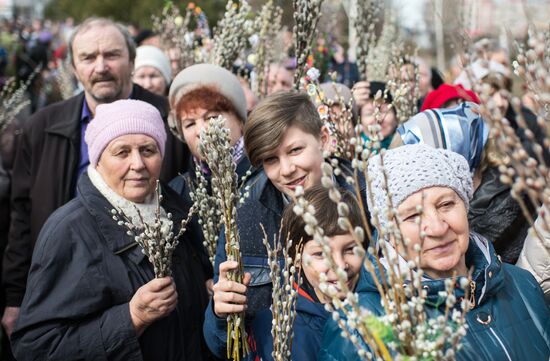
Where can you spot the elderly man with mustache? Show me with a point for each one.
(51, 153)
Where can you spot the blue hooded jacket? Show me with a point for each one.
(308, 328)
(510, 320)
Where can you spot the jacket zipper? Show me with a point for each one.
(472, 294)
(500, 342)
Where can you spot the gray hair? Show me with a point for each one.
(95, 21)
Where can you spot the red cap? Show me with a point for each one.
(437, 98)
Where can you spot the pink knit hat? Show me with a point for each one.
(120, 118)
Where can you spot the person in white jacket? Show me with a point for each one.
(535, 255)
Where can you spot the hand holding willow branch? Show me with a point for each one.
(216, 148)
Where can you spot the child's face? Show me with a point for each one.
(297, 161)
(313, 263)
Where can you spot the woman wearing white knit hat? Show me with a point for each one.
(152, 69)
(431, 189)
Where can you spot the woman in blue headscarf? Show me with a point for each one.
(493, 212)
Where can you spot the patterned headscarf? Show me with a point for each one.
(459, 129)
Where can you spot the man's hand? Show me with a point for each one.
(10, 316)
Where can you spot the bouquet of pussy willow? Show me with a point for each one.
(403, 331)
(231, 34)
(209, 212)
(215, 147)
(523, 161)
(177, 35)
(156, 238)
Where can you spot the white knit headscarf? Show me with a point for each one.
(411, 168)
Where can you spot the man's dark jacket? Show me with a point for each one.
(45, 174)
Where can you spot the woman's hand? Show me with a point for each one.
(361, 93)
(152, 301)
(229, 296)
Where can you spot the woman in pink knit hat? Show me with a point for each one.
(92, 292)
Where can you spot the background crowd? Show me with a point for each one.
(109, 109)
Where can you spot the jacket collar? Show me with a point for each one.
(67, 123)
(480, 257)
(271, 198)
(306, 304)
(490, 188)
(487, 274)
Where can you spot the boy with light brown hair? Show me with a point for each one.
(285, 138)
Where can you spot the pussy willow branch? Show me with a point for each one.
(284, 294)
(268, 25)
(208, 213)
(232, 33)
(365, 27)
(64, 78)
(157, 239)
(173, 28)
(306, 16)
(14, 98)
(339, 122)
(380, 54)
(215, 147)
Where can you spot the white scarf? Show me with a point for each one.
(130, 209)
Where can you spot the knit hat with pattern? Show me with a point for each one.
(411, 168)
(120, 118)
